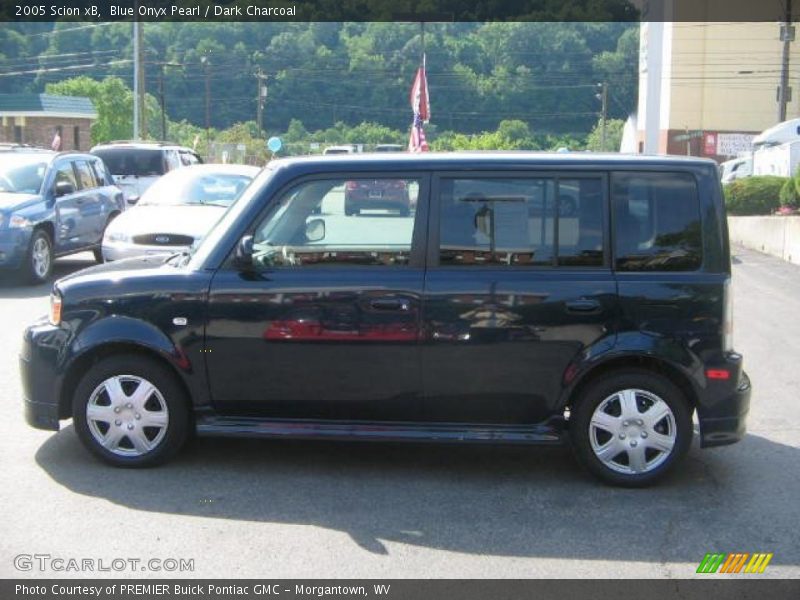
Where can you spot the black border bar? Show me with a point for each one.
(708, 587)
(396, 10)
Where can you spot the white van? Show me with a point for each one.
(137, 165)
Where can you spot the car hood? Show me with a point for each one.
(9, 201)
(189, 220)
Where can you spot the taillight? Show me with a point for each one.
(55, 308)
(727, 317)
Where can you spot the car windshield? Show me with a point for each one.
(22, 174)
(139, 162)
(193, 186)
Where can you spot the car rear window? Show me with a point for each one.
(141, 162)
(657, 222)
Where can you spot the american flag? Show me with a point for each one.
(417, 141)
(420, 104)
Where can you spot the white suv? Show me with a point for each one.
(137, 165)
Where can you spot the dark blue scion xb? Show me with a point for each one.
(486, 314)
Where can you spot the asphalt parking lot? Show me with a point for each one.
(255, 508)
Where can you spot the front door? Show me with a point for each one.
(518, 285)
(326, 323)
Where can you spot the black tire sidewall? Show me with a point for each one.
(157, 374)
(29, 273)
(604, 387)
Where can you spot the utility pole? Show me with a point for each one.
(161, 96)
(205, 64)
(140, 77)
(787, 37)
(261, 98)
(136, 58)
(602, 95)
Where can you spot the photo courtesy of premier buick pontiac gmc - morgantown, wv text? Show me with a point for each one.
(467, 297)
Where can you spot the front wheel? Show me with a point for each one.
(130, 411)
(631, 427)
(38, 262)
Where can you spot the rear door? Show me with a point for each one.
(93, 208)
(518, 285)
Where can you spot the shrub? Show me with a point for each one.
(789, 193)
(754, 195)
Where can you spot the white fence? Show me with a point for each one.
(778, 236)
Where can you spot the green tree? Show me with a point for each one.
(614, 128)
(113, 101)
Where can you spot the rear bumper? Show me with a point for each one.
(727, 424)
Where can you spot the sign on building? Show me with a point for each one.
(733, 144)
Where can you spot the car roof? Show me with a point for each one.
(489, 160)
(227, 168)
(151, 145)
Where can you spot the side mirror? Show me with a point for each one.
(315, 230)
(244, 252)
(64, 188)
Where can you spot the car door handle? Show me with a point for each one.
(390, 304)
(583, 306)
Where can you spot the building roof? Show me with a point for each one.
(46, 105)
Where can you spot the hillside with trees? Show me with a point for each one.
(327, 79)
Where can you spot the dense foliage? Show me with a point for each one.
(754, 195)
(333, 75)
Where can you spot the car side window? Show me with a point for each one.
(100, 173)
(173, 162)
(525, 221)
(65, 174)
(338, 222)
(657, 222)
(85, 175)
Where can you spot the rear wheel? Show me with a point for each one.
(130, 412)
(631, 427)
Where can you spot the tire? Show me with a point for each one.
(117, 431)
(615, 439)
(38, 262)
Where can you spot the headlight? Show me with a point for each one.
(55, 308)
(19, 222)
(117, 236)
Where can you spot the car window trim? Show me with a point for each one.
(418, 251)
(432, 257)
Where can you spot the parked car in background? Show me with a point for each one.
(137, 165)
(371, 194)
(734, 169)
(176, 211)
(484, 320)
(339, 150)
(52, 204)
(389, 148)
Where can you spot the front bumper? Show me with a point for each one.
(41, 379)
(13, 246)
